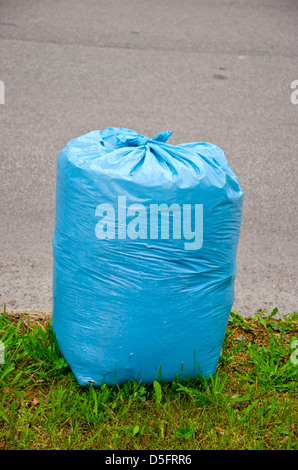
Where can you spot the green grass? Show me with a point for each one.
(250, 403)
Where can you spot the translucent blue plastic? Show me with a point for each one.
(144, 248)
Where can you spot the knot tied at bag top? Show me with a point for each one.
(114, 138)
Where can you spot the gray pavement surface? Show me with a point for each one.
(217, 71)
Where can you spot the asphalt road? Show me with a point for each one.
(217, 71)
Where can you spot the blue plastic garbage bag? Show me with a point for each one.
(144, 250)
